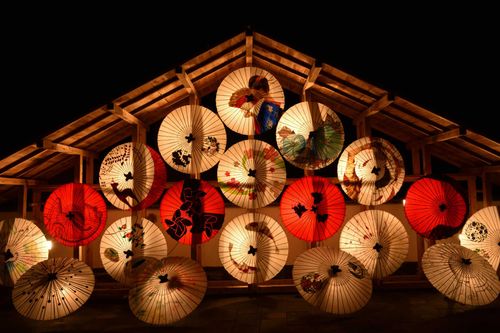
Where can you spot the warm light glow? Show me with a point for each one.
(404, 202)
(49, 245)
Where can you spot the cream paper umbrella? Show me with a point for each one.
(371, 171)
(251, 174)
(253, 247)
(310, 135)
(377, 239)
(250, 101)
(168, 291)
(129, 238)
(334, 281)
(481, 233)
(22, 245)
(132, 176)
(191, 139)
(53, 288)
(460, 274)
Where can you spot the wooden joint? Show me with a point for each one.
(125, 115)
(186, 81)
(376, 107)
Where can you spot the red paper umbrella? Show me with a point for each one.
(132, 176)
(312, 208)
(435, 208)
(75, 214)
(192, 208)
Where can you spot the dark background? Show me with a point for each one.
(61, 63)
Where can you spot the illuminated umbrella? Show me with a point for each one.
(75, 214)
(192, 209)
(460, 274)
(132, 176)
(22, 245)
(334, 281)
(251, 174)
(435, 208)
(53, 288)
(371, 171)
(310, 135)
(377, 239)
(312, 208)
(481, 233)
(253, 247)
(191, 139)
(169, 291)
(129, 238)
(250, 101)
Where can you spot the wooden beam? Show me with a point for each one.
(20, 181)
(376, 107)
(448, 135)
(125, 115)
(249, 46)
(65, 149)
(187, 83)
(479, 170)
(311, 77)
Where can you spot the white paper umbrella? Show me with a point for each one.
(22, 245)
(251, 174)
(334, 281)
(191, 139)
(481, 233)
(460, 274)
(377, 239)
(129, 238)
(310, 135)
(250, 101)
(253, 247)
(169, 291)
(53, 288)
(371, 171)
(132, 176)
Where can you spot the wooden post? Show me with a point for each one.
(487, 190)
(472, 189)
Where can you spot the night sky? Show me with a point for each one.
(57, 68)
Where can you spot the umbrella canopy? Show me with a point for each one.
(481, 233)
(129, 238)
(334, 281)
(75, 214)
(168, 291)
(253, 247)
(435, 208)
(192, 210)
(250, 101)
(191, 139)
(132, 176)
(377, 239)
(312, 208)
(310, 135)
(371, 171)
(22, 245)
(251, 174)
(53, 288)
(460, 274)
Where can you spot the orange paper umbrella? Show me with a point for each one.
(371, 171)
(253, 247)
(435, 208)
(251, 174)
(168, 291)
(192, 209)
(310, 135)
(334, 281)
(250, 101)
(127, 239)
(75, 214)
(132, 176)
(481, 233)
(312, 208)
(53, 288)
(460, 274)
(377, 239)
(191, 139)
(22, 245)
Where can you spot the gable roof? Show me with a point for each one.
(297, 72)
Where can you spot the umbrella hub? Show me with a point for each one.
(377, 247)
(163, 278)
(52, 276)
(250, 97)
(128, 176)
(189, 138)
(8, 255)
(128, 253)
(70, 216)
(252, 173)
(466, 261)
(314, 209)
(334, 269)
(442, 207)
(376, 170)
(252, 250)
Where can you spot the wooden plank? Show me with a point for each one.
(76, 125)
(444, 136)
(65, 149)
(217, 63)
(35, 159)
(323, 96)
(18, 156)
(338, 98)
(376, 107)
(346, 89)
(19, 181)
(413, 120)
(311, 78)
(249, 47)
(272, 44)
(479, 170)
(484, 141)
(295, 67)
(488, 152)
(146, 88)
(116, 110)
(424, 114)
(93, 134)
(354, 81)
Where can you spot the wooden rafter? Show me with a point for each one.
(65, 149)
(376, 107)
(249, 47)
(187, 83)
(125, 115)
(19, 181)
(445, 136)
